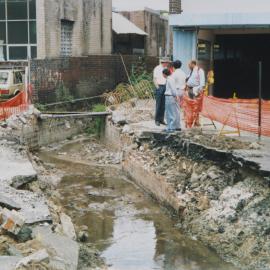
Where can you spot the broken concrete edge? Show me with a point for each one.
(228, 158)
(9, 203)
(37, 257)
(114, 138)
(20, 180)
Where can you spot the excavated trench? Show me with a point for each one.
(126, 227)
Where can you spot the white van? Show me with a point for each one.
(12, 82)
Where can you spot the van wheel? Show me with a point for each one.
(17, 93)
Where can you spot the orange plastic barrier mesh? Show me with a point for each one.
(191, 109)
(236, 113)
(14, 105)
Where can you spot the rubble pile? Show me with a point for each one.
(87, 150)
(132, 111)
(13, 126)
(28, 221)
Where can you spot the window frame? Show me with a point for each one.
(6, 43)
(208, 50)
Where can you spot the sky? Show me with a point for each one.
(140, 4)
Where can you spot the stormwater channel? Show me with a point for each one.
(128, 228)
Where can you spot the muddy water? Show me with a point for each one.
(130, 230)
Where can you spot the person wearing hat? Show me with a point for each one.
(160, 84)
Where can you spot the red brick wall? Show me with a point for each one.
(154, 25)
(83, 76)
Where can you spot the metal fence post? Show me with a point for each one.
(260, 102)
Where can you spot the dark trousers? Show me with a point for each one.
(160, 103)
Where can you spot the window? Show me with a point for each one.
(18, 35)
(33, 32)
(18, 52)
(66, 38)
(204, 50)
(3, 77)
(3, 32)
(17, 9)
(33, 52)
(218, 52)
(32, 9)
(18, 77)
(3, 54)
(2, 10)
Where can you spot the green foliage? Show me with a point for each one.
(40, 107)
(99, 108)
(99, 122)
(139, 74)
(63, 93)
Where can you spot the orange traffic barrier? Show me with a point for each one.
(15, 105)
(241, 114)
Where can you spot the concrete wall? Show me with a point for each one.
(49, 131)
(155, 26)
(83, 76)
(92, 28)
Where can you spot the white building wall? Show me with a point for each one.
(92, 29)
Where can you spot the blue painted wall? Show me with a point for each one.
(184, 47)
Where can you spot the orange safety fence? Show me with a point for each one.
(191, 109)
(15, 105)
(242, 114)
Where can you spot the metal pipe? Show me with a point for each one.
(260, 102)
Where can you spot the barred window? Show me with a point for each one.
(66, 38)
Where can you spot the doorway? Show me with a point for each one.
(236, 59)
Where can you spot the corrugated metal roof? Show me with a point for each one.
(122, 25)
(245, 20)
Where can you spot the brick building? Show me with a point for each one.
(69, 43)
(48, 28)
(127, 37)
(157, 43)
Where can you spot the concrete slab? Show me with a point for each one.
(9, 262)
(33, 207)
(37, 257)
(8, 203)
(13, 165)
(66, 250)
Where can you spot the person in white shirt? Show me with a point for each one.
(180, 78)
(196, 80)
(171, 105)
(160, 84)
